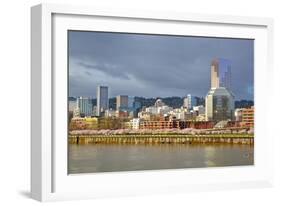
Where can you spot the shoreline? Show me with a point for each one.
(161, 139)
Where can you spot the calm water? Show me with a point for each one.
(108, 158)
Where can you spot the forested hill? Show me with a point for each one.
(175, 102)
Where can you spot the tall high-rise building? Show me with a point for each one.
(131, 100)
(189, 101)
(219, 102)
(122, 102)
(221, 73)
(85, 105)
(102, 99)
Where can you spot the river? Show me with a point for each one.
(90, 158)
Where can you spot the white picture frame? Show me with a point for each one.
(49, 179)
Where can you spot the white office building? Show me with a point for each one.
(199, 110)
(135, 123)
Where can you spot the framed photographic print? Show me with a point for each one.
(135, 102)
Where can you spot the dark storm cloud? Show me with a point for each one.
(153, 65)
(111, 70)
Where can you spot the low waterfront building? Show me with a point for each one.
(201, 124)
(164, 110)
(176, 124)
(77, 123)
(151, 110)
(238, 114)
(159, 108)
(199, 110)
(180, 113)
(144, 115)
(122, 114)
(200, 117)
(156, 125)
(72, 105)
(127, 125)
(151, 117)
(76, 112)
(110, 113)
(248, 117)
(135, 123)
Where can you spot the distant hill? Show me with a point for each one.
(71, 98)
(174, 102)
(244, 103)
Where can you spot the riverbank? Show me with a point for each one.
(162, 139)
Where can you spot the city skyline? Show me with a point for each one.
(153, 65)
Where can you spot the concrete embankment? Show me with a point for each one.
(162, 139)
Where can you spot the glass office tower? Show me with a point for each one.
(221, 73)
(85, 105)
(102, 99)
(219, 101)
(219, 105)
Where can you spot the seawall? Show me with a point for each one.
(162, 139)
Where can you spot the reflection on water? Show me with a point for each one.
(107, 158)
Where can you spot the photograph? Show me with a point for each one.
(139, 101)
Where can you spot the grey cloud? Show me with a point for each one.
(108, 69)
(150, 65)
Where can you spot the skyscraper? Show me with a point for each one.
(189, 101)
(122, 102)
(131, 100)
(85, 105)
(221, 73)
(219, 101)
(102, 99)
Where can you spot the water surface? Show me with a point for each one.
(89, 158)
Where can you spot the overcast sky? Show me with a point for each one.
(154, 65)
